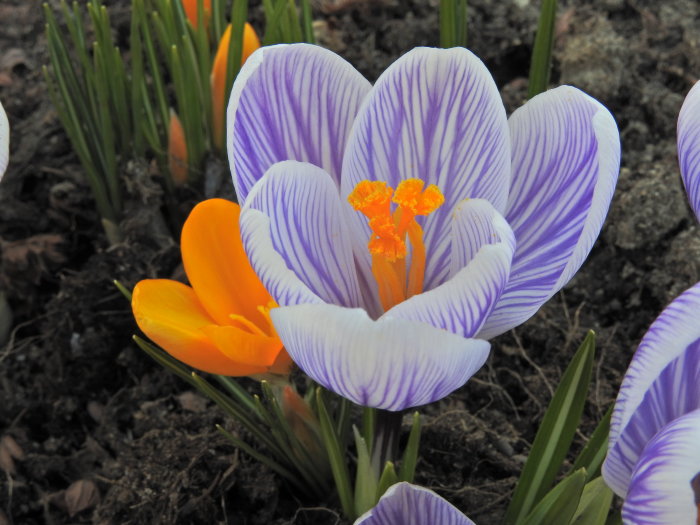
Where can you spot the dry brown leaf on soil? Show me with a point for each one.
(33, 256)
(81, 495)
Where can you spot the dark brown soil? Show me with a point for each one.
(92, 431)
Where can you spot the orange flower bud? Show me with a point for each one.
(218, 76)
(177, 150)
(191, 10)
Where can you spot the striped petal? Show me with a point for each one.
(482, 249)
(689, 146)
(306, 227)
(435, 115)
(4, 141)
(661, 492)
(661, 384)
(406, 504)
(566, 158)
(389, 363)
(291, 102)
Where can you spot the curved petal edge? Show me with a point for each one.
(689, 146)
(390, 363)
(405, 503)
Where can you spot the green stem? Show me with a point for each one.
(385, 445)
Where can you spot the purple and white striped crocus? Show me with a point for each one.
(406, 504)
(654, 445)
(689, 146)
(4, 141)
(473, 220)
(653, 456)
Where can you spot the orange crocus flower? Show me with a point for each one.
(191, 11)
(251, 42)
(221, 324)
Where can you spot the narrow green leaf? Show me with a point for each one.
(265, 460)
(541, 63)
(123, 289)
(365, 480)
(410, 453)
(595, 503)
(453, 23)
(387, 479)
(336, 457)
(593, 454)
(218, 20)
(555, 433)
(559, 504)
(239, 15)
(369, 422)
(307, 22)
(237, 391)
(298, 454)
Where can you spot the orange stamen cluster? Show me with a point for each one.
(389, 231)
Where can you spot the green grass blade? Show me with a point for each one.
(336, 456)
(594, 506)
(593, 454)
(541, 62)
(307, 22)
(555, 434)
(287, 474)
(560, 503)
(410, 453)
(453, 23)
(387, 479)
(365, 480)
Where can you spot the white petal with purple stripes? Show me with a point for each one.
(406, 504)
(661, 383)
(389, 363)
(291, 102)
(482, 249)
(566, 158)
(435, 115)
(307, 228)
(4, 141)
(689, 146)
(661, 492)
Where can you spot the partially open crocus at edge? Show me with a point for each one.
(406, 504)
(221, 323)
(654, 445)
(400, 225)
(4, 141)
(218, 76)
(653, 456)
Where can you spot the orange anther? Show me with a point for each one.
(371, 198)
(389, 231)
(410, 196)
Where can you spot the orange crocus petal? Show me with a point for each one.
(170, 314)
(218, 75)
(244, 347)
(177, 150)
(191, 10)
(217, 266)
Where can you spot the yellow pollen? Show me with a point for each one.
(395, 280)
